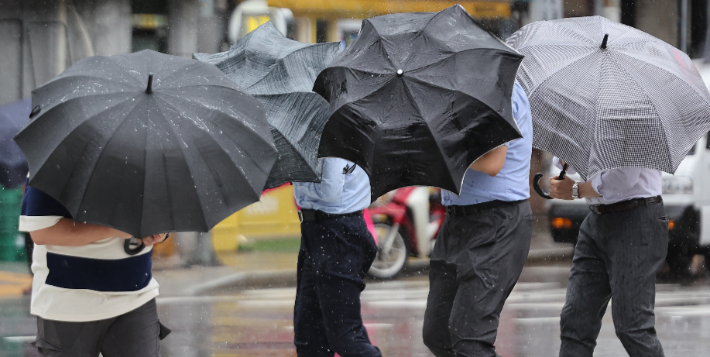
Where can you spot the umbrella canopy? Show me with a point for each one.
(147, 143)
(13, 166)
(605, 95)
(418, 97)
(280, 72)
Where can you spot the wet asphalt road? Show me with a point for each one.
(258, 322)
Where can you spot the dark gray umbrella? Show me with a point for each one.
(418, 97)
(147, 143)
(605, 95)
(280, 72)
(13, 166)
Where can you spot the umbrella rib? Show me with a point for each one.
(270, 70)
(204, 219)
(648, 97)
(286, 137)
(557, 71)
(449, 89)
(246, 152)
(103, 148)
(411, 98)
(500, 52)
(74, 99)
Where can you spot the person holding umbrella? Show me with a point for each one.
(482, 247)
(89, 295)
(618, 106)
(621, 245)
(336, 252)
(125, 146)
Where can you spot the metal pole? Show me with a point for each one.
(683, 26)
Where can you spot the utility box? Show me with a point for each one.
(12, 242)
(275, 215)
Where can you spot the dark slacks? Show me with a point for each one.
(476, 262)
(335, 254)
(133, 334)
(616, 257)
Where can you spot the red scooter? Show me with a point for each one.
(406, 226)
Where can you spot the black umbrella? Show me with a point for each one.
(280, 72)
(418, 97)
(13, 166)
(147, 143)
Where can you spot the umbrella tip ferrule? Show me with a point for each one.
(606, 38)
(149, 90)
(400, 72)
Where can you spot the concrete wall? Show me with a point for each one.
(659, 18)
(109, 23)
(39, 39)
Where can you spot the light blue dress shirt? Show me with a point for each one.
(513, 182)
(337, 193)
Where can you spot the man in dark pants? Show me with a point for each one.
(621, 245)
(482, 247)
(336, 252)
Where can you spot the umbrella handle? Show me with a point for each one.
(131, 246)
(536, 182)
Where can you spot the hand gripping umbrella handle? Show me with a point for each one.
(536, 182)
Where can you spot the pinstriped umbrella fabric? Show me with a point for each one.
(280, 73)
(638, 102)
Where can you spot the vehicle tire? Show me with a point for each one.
(387, 266)
(679, 259)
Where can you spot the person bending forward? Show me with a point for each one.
(336, 252)
(482, 247)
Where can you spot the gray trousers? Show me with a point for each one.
(616, 257)
(134, 334)
(476, 262)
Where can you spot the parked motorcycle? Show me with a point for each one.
(406, 225)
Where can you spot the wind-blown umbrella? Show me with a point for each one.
(147, 143)
(605, 95)
(418, 97)
(13, 166)
(280, 73)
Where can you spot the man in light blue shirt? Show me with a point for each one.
(336, 252)
(482, 246)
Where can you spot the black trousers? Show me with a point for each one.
(135, 334)
(335, 254)
(616, 257)
(476, 262)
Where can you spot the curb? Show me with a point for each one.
(281, 278)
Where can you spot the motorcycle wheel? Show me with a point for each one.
(387, 266)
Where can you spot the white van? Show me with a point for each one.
(686, 196)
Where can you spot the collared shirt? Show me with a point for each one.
(95, 281)
(621, 184)
(338, 192)
(512, 183)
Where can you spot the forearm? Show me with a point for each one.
(70, 233)
(586, 190)
(492, 162)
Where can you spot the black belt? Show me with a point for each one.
(311, 215)
(477, 208)
(624, 205)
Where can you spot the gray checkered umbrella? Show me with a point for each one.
(605, 95)
(280, 72)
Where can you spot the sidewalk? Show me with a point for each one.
(257, 269)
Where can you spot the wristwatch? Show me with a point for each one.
(575, 190)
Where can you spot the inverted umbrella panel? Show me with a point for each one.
(418, 97)
(280, 73)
